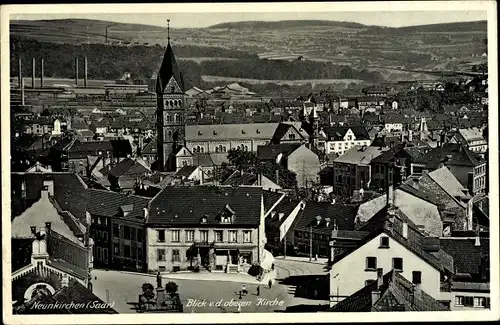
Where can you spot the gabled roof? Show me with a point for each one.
(342, 215)
(240, 179)
(460, 155)
(271, 151)
(414, 242)
(270, 198)
(448, 182)
(185, 171)
(168, 70)
(337, 133)
(466, 256)
(128, 167)
(420, 194)
(150, 148)
(359, 155)
(281, 130)
(108, 204)
(185, 205)
(395, 290)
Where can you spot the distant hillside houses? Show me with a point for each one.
(233, 90)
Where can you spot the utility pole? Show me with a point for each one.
(310, 242)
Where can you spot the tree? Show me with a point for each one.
(171, 288)
(148, 291)
(241, 158)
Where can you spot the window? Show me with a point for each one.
(218, 236)
(98, 220)
(189, 236)
(126, 232)
(161, 235)
(176, 256)
(204, 235)
(139, 235)
(116, 230)
(291, 136)
(126, 250)
(133, 253)
(479, 301)
(160, 253)
(298, 234)
(176, 236)
(116, 249)
(105, 255)
(247, 236)
(384, 242)
(177, 118)
(371, 263)
(397, 263)
(233, 236)
(132, 233)
(464, 301)
(169, 118)
(139, 254)
(105, 235)
(368, 282)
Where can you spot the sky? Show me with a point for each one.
(200, 20)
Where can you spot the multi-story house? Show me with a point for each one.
(465, 165)
(365, 102)
(117, 227)
(352, 171)
(393, 123)
(125, 175)
(400, 158)
(469, 287)
(389, 241)
(217, 228)
(340, 139)
(295, 157)
(473, 139)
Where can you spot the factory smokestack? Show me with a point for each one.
(76, 71)
(41, 73)
(19, 72)
(33, 73)
(85, 71)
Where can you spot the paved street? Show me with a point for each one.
(124, 288)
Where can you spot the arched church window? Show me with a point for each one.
(201, 149)
(169, 118)
(246, 148)
(220, 148)
(238, 148)
(169, 133)
(177, 118)
(216, 149)
(224, 149)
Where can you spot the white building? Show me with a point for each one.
(340, 139)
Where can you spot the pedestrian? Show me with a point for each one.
(270, 284)
(244, 290)
(239, 308)
(258, 290)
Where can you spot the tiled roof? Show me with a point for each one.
(203, 159)
(415, 153)
(128, 167)
(342, 215)
(37, 215)
(387, 156)
(240, 178)
(420, 194)
(471, 134)
(466, 256)
(359, 155)
(187, 205)
(185, 171)
(68, 190)
(270, 198)
(213, 132)
(286, 206)
(414, 241)
(271, 151)
(460, 155)
(337, 133)
(394, 286)
(150, 148)
(107, 203)
(447, 181)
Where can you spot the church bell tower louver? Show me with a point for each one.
(170, 112)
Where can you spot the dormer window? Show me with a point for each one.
(126, 209)
(204, 219)
(215, 133)
(172, 89)
(242, 131)
(258, 131)
(291, 136)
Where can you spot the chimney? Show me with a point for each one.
(33, 73)
(19, 73)
(375, 296)
(405, 230)
(410, 135)
(477, 241)
(76, 71)
(49, 185)
(85, 71)
(327, 220)
(280, 215)
(380, 278)
(273, 214)
(41, 73)
(390, 187)
(48, 226)
(145, 213)
(417, 285)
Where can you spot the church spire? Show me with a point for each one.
(168, 31)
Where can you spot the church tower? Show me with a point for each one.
(170, 112)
